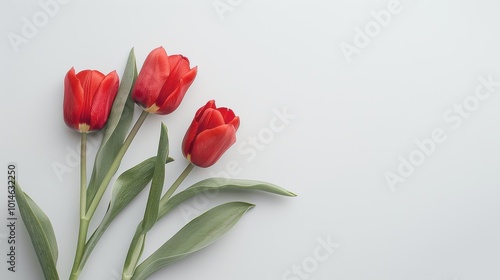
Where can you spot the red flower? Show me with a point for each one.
(211, 133)
(163, 82)
(88, 97)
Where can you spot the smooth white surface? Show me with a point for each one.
(352, 122)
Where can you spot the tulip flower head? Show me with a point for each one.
(163, 82)
(210, 135)
(88, 97)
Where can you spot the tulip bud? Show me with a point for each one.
(163, 82)
(210, 135)
(88, 97)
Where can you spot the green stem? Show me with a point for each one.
(82, 232)
(137, 244)
(83, 175)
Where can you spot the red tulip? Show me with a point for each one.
(88, 97)
(163, 82)
(211, 133)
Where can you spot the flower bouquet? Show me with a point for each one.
(97, 102)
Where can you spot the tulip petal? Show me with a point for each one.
(174, 91)
(188, 140)
(211, 144)
(229, 117)
(153, 75)
(73, 99)
(235, 122)
(211, 118)
(199, 113)
(103, 100)
(226, 113)
(179, 66)
(90, 81)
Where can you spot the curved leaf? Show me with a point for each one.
(116, 128)
(216, 184)
(41, 233)
(196, 235)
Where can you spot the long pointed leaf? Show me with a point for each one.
(151, 213)
(218, 184)
(116, 128)
(196, 235)
(41, 233)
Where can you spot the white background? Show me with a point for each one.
(354, 116)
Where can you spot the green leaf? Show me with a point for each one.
(127, 186)
(116, 128)
(41, 233)
(196, 235)
(151, 213)
(215, 185)
(121, 99)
